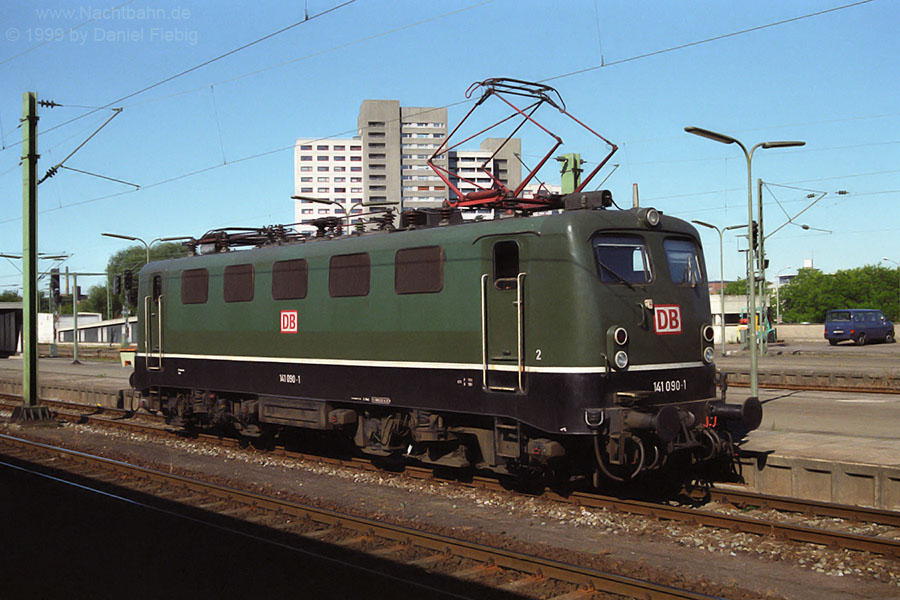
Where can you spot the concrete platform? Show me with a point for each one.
(829, 446)
(96, 383)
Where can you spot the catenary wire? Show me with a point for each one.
(205, 63)
(704, 41)
(284, 148)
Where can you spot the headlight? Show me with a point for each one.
(709, 354)
(620, 335)
(649, 216)
(621, 359)
(708, 333)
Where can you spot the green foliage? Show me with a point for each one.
(133, 258)
(736, 288)
(812, 293)
(96, 301)
(739, 288)
(14, 296)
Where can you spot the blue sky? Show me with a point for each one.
(830, 80)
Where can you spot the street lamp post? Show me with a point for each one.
(898, 278)
(751, 270)
(721, 272)
(135, 239)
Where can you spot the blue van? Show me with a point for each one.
(861, 325)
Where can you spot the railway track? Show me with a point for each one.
(502, 569)
(740, 511)
(819, 382)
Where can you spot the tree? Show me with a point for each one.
(739, 288)
(132, 258)
(736, 288)
(812, 293)
(10, 296)
(96, 301)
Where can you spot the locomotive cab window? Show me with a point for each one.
(290, 279)
(239, 283)
(622, 259)
(157, 286)
(506, 265)
(194, 286)
(419, 270)
(683, 259)
(348, 275)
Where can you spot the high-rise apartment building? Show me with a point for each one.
(331, 171)
(388, 163)
(397, 141)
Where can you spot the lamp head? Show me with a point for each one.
(121, 237)
(768, 145)
(712, 135)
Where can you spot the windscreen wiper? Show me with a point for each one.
(614, 274)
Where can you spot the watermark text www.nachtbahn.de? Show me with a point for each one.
(121, 13)
(126, 24)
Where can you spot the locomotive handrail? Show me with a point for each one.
(520, 281)
(146, 327)
(484, 348)
(147, 347)
(502, 233)
(159, 323)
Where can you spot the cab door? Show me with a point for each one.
(503, 315)
(153, 321)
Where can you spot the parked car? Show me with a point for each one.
(861, 325)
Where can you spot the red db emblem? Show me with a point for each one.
(667, 318)
(289, 321)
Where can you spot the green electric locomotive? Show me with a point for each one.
(576, 343)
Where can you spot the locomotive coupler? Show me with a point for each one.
(666, 422)
(749, 413)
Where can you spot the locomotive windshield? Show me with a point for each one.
(622, 259)
(684, 261)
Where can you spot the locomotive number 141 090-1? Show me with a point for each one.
(670, 385)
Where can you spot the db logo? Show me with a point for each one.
(289, 321)
(667, 318)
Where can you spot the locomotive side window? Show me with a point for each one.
(419, 270)
(348, 275)
(239, 283)
(684, 261)
(622, 259)
(290, 279)
(157, 287)
(506, 265)
(194, 286)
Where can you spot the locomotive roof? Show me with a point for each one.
(578, 222)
